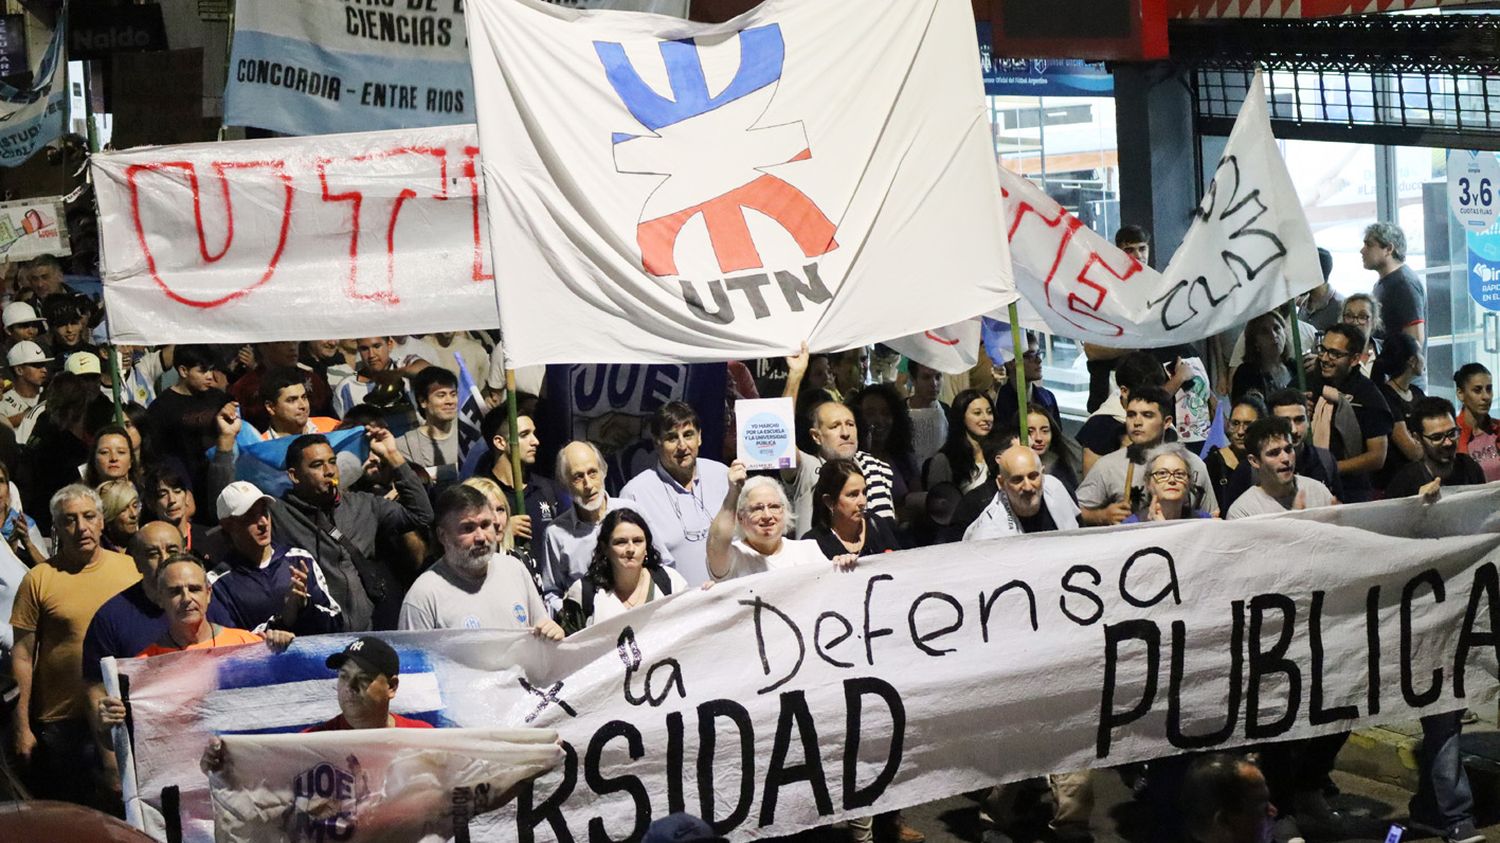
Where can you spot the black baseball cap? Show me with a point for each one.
(370, 653)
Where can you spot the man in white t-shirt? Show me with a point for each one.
(1278, 487)
(473, 586)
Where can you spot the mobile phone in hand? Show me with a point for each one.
(1395, 834)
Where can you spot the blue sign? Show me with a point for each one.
(1040, 77)
(1484, 267)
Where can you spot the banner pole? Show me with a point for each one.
(1020, 367)
(515, 443)
(1297, 346)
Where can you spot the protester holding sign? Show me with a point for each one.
(748, 536)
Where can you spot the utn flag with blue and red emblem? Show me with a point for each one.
(659, 189)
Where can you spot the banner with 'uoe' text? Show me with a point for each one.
(787, 700)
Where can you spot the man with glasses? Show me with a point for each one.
(1269, 448)
(1005, 395)
(1362, 422)
(674, 494)
(1433, 421)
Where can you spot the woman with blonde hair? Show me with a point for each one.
(122, 512)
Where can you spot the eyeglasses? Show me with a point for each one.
(1335, 353)
(772, 508)
(1449, 435)
(1163, 475)
(1360, 319)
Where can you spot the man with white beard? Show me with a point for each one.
(572, 535)
(473, 586)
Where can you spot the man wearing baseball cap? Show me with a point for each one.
(368, 673)
(265, 584)
(29, 372)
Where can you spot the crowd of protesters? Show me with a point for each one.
(129, 532)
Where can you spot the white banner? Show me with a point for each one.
(253, 241)
(31, 227)
(32, 117)
(952, 350)
(394, 785)
(790, 699)
(671, 190)
(1248, 251)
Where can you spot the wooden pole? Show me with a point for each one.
(515, 444)
(1020, 367)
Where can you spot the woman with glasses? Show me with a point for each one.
(1479, 433)
(1361, 311)
(748, 536)
(1400, 362)
(1267, 367)
(1169, 486)
(1223, 461)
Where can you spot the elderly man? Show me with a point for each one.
(1028, 499)
(675, 493)
(571, 536)
(837, 436)
(264, 584)
(473, 586)
(54, 605)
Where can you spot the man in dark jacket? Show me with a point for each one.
(340, 528)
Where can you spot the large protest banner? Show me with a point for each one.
(253, 241)
(1248, 251)
(698, 192)
(787, 700)
(32, 117)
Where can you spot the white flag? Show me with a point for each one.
(668, 190)
(1249, 250)
(952, 350)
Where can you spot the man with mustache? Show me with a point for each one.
(473, 586)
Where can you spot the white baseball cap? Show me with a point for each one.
(26, 353)
(83, 363)
(237, 498)
(18, 313)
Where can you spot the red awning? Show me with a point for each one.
(1208, 9)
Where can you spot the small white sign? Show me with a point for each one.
(765, 433)
(31, 227)
(1473, 179)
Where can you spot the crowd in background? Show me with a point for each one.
(130, 530)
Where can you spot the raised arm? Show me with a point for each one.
(721, 531)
